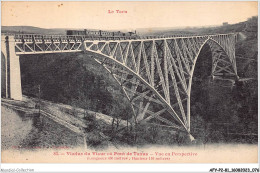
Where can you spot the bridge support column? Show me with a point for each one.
(13, 88)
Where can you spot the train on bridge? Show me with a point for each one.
(101, 33)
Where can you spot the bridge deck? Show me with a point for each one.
(58, 38)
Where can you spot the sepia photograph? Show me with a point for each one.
(129, 82)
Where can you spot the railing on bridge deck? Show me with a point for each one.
(55, 38)
(78, 38)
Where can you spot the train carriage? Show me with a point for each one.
(101, 33)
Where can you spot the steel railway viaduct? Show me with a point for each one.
(155, 72)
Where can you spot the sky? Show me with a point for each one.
(95, 15)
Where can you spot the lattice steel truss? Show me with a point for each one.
(154, 73)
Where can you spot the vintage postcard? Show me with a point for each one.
(129, 82)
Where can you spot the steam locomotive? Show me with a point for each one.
(101, 33)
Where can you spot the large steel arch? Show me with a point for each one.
(113, 67)
(222, 65)
(156, 74)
